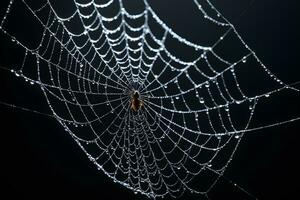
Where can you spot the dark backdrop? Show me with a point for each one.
(38, 159)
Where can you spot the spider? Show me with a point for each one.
(135, 102)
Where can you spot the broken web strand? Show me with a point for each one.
(139, 123)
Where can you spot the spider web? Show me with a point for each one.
(88, 63)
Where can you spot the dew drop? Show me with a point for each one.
(17, 74)
(201, 100)
(238, 102)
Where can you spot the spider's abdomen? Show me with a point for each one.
(135, 104)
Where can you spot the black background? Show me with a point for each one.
(39, 160)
